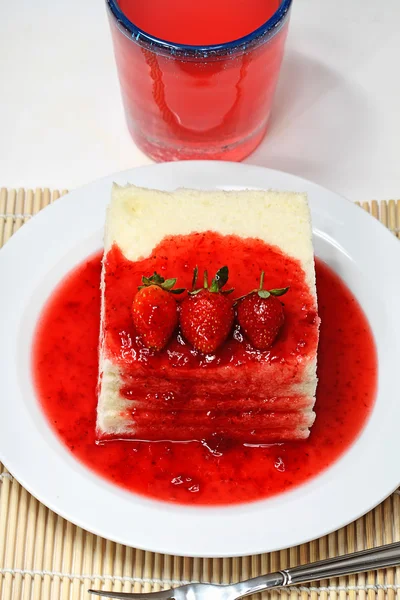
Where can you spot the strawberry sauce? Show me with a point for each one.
(65, 366)
(246, 259)
(163, 387)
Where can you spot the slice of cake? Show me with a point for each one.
(192, 365)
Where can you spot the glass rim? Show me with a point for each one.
(266, 30)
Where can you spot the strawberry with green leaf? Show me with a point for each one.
(155, 311)
(207, 313)
(260, 315)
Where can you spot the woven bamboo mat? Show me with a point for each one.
(43, 556)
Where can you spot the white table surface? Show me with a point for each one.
(336, 119)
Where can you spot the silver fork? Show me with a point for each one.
(366, 560)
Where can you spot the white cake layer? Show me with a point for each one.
(138, 219)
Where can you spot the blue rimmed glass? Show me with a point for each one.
(198, 102)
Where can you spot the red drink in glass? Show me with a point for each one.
(198, 77)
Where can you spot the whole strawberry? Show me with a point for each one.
(260, 315)
(207, 313)
(155, 311)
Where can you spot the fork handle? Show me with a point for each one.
(366, 560)
(357, 562)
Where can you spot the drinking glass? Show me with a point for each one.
(198, 102)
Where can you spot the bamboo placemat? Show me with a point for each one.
(44, 557)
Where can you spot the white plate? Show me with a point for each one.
(360, 250)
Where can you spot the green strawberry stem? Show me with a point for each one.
(263, 293)
(195, 275)
(218, 282)
(164, 284)
(220, 279)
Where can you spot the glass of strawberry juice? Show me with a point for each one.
(198, 76)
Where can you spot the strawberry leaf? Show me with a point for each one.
(217, 283)
(177, 291)
(263, 293)
(222, 276)
(159, 281)
(168, 284)
(156, 278)
(220, 279)
(237, 300)
(278, 291)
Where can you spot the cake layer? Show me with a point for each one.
(220, 403)
(178, 393)
(211, 435)
(256, 381)
(138, 218)
(240, 420)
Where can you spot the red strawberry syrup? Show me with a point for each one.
(65, 366)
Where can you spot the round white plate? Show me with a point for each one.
(360, 250)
